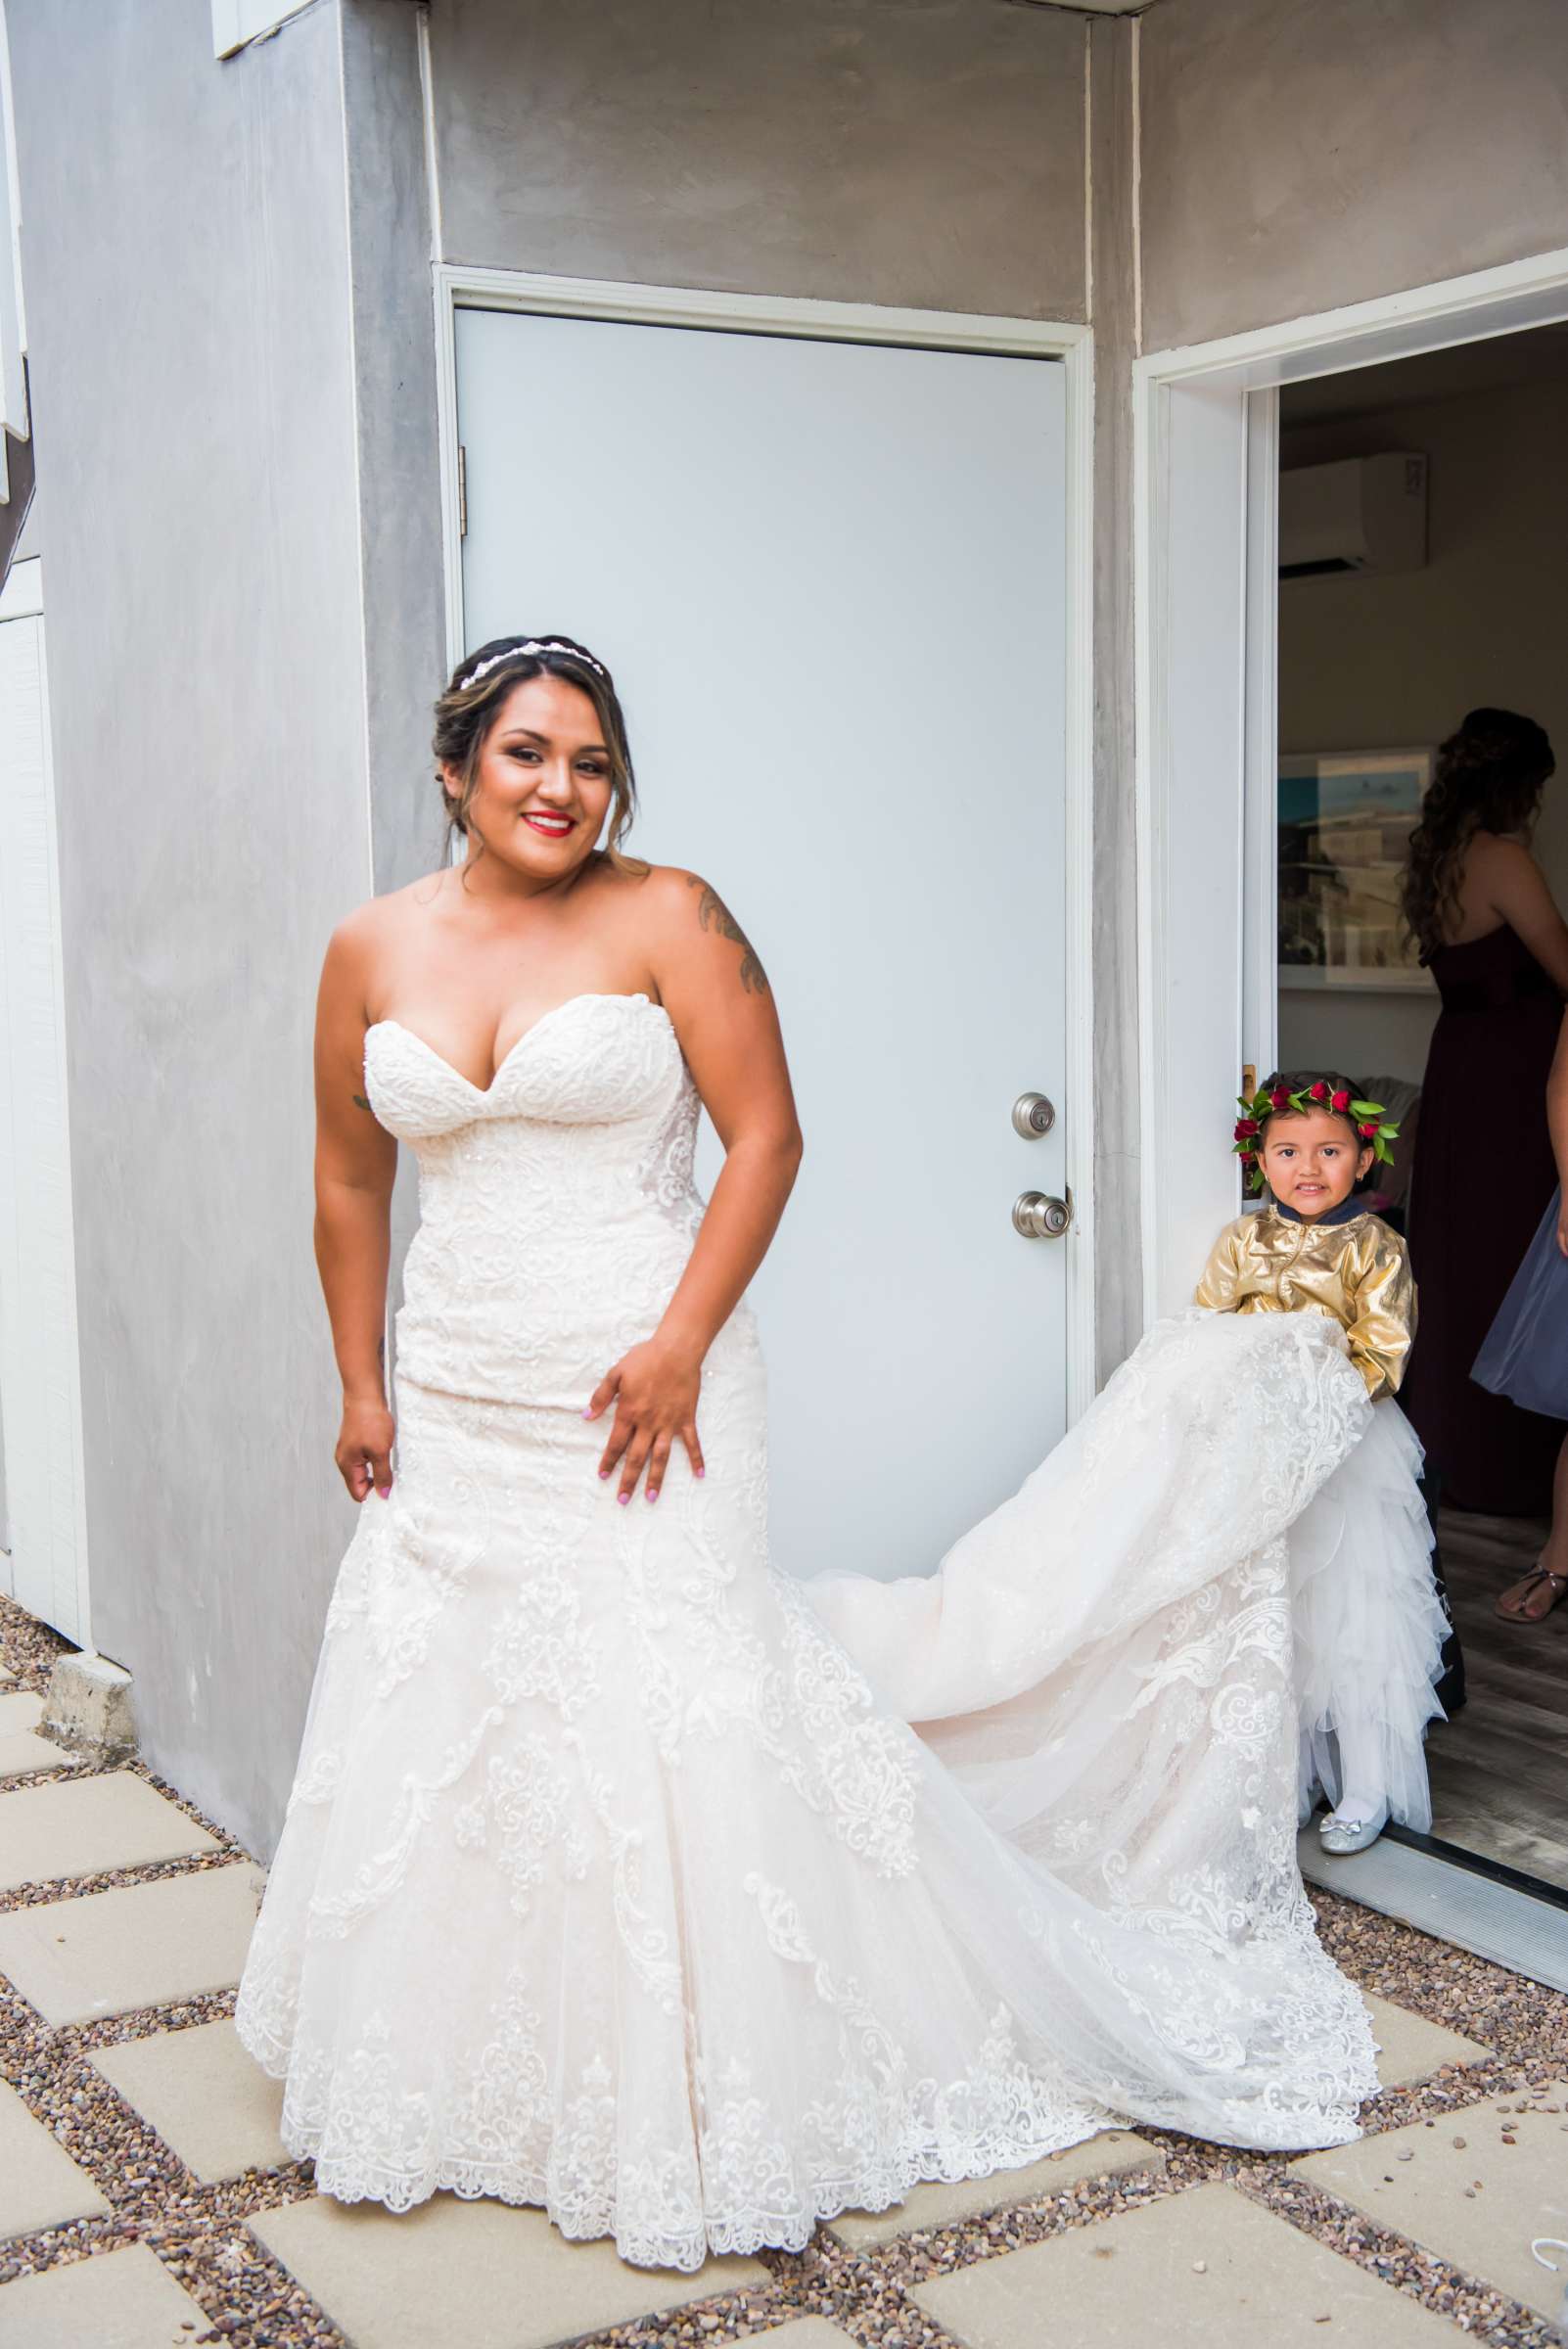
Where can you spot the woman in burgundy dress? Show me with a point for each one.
(1486, 925)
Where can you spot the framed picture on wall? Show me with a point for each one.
(1345, 821)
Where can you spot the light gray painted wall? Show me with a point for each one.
(1299, 154)
(920, 152)
(187, 280)
(398, 455)
(398, 452)
(1117, 1268)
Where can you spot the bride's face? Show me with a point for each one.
(544, 781)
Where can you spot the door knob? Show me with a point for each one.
(1037, 1217)
(1032, 1115)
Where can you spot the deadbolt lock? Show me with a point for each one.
(1033, 1116)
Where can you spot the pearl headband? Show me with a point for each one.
(535, 644)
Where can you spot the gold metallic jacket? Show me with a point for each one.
(1357, 1272)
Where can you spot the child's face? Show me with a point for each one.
(1311, 1164)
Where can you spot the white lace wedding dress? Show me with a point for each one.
(614, 1878)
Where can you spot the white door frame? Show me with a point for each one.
(457, 288)
(40, 1367)
(1205, 523)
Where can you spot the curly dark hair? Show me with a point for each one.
(470, 706)
(1489, 778)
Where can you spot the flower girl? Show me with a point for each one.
(1368, 1625)
(1237, 1518)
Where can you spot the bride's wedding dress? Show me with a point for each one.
(614, 1877)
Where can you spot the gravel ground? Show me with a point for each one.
(251, 2302)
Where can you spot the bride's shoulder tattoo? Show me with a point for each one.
(361, 1104)
(715, 914)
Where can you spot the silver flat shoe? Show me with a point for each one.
(1342, 1836)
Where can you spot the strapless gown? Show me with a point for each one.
(615, 1877)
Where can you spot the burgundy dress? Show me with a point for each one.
(1477, 1195)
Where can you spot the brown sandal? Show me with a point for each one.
(1526, 1589)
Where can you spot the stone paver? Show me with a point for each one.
(40, 2186)
(20, 1746)
(1409, 2048)
(1476, 2204)
(925, 2207)
(118, 2300)
(481, 2273)
(204, 2096)
(25, 1751)
(76, 1828)
(137, 1945)
(1205, 2267)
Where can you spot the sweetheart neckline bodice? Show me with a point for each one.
(482, 1092)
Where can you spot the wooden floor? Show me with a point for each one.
(1499, 1767)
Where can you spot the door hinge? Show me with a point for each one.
(462, 491)
(1249, 1079)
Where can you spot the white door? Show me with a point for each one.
(41, 1390)
(829, 580)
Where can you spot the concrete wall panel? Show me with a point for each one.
(920, 152)
(1300, 154)
(186, 259)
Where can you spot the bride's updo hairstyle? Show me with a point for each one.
(1488, 778)
(473, 701)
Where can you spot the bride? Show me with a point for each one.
(623, 1871)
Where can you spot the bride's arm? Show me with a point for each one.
(716, 994)
(356, 1160)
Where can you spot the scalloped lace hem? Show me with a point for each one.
(643, 2244)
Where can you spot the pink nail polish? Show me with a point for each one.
(702, 1472)
(589, 1414)
(652, 1493)
(604, 1476)
(384, 1491)
(623, 1497)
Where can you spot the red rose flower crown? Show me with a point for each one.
(1366, 1117)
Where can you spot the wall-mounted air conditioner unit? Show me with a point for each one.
(1361, 514)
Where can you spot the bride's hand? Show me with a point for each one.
(364, 1447)
(653, 1389)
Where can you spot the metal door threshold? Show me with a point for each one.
(1476, 1910)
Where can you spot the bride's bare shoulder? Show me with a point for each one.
(692, 931)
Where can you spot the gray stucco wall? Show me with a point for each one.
(1117, 1268)
(1300, 154)
(398, 437)
(397, 429)
(919, 152)
(187, 276)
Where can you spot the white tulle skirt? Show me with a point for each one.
(1020, 1659)
(1367, 1627)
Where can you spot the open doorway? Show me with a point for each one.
(1422, 521)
